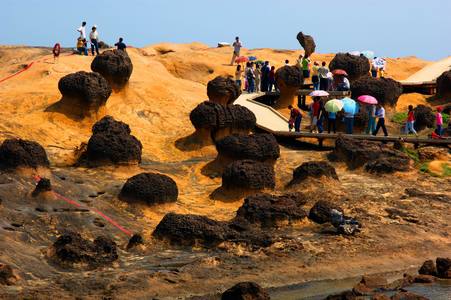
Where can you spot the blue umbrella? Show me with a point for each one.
(349, 106)
(252, 58)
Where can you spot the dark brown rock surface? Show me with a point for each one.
(16, 153)
(115, 66)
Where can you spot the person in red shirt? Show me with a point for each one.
(315, 111)
(410, 121)
(295, 119)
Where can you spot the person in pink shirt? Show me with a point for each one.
(439, 121)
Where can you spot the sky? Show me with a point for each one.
(393, 28)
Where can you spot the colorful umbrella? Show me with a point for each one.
(339, 72)
(334, 105)
(319, 93)
(252, 58)
(241, 59)
(349, 105)
(368, 54)
(367, 99)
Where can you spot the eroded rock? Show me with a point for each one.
(149, 188)
(7, 276)
(428, 268)
(385, 90)
(43, 186)
(313, 169)
(245, 291)
(444, 85)
(18, 153)
(223, 90)
(321, 212)
(307, 42)
(387, 165)
(355, 66)
(115, 66)
(443, 267)
(424, 117)
(289, 79)
(248, 175)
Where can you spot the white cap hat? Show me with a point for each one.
(94, 26)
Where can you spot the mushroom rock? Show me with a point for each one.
(321, 212)
(70, 250)
(289, 80)
(248, 175)
(213, 121)
(385, 90)
(355, 66)
(314, 169)
(424, 117)
(444, 85)
(307, 42)
(268, 211)
(195, 230)
(261, 147)
(111, 142)
(115, 65)
(18, 153)
(245, 291)
(43, 186)
(149, 188)
(443, 267)
(83, 93)
(223, 90)
(357, 153)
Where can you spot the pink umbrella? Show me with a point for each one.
(241, 59)
(319, 93)
(367, 99)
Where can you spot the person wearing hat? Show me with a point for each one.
(94, 37)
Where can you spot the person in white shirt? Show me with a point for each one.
(380, 113)
(94, 37)
(236, 49)
(82, 30)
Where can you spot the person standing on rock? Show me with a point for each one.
(82, 30)
(265, 77)
(410, 121)
(306, 67)
(439, 121)
(295, 119)
(94, 37)
(236, 49)
(121, 45)
(323, 80)
(380, 113)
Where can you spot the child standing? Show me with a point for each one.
(439, 121)
(410, 121)
(238, 75)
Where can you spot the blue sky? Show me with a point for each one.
(389, 27)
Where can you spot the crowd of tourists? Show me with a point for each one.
(82, 42)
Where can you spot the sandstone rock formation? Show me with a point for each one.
(385, 90)
(43, 186)
(355, 66)
(149, 188)
(444, 85)
(443, 267)
(115, 66)
(307, 42)
(428, 268)
(387, 165)
(112, 142)
(70, 250)
(289, 80)
(313, 169)
(223, 90)
(248, 175)
(7, 275)
(245, 291)
(321, 211)
(424, 117)
(18, 153)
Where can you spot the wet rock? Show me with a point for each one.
(248, 175)
(115, 66)
(407, 296)
(43, 186)
(313, 169)
(355, 66)
(111, 142)
(444, 85)
(89, 90)
(443, 267)
(223, 90)
(7, 276)
(424, 279)
(149, 188)
(385, 90)
(260, 147)
(432, 153)
(387, 165)
(321, 212)
(307, 42)
(268, 211)
(245, 291)
(424, 117)
(16, 153)
(428, 268)
(71, 250)
(357, 153)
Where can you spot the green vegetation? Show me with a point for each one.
(412, 153)
(400, 117)
(446, 170)
(445, 118)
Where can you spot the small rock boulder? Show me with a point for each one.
(444, 85)
(223, 90)
(149, 188)
(387, 165)
(424, 117)
(17, 153)
(268, 211)
(386, 90)
(89, 90)
(43, 186)
(112, 142)
(313, 169)
(307, 42)
(321, 212)
(261, 147)
(355, 66)
(248, 175)
(428, 268)
(407, 296)
(443, 267)
(245, 291)
(72, 251)
(115, 66)
(7, 276)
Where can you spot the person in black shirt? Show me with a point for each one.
(120, 45)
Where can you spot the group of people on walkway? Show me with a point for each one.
(82, 43)
(257, 77)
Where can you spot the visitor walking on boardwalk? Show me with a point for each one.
(323, 79)
(94, 37)
(272, 79)
(322, 116)
(439, 121)
(295, 119)
(121, 45)
(238, 76)
(332, 122)
(410, 121)
(82, 30)
(371, 111)
(349, 121)
(258, 76)
(250, 77)
(236, 49)
(265, 77)
(315, 77)
(315, 110)
(380, 113)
